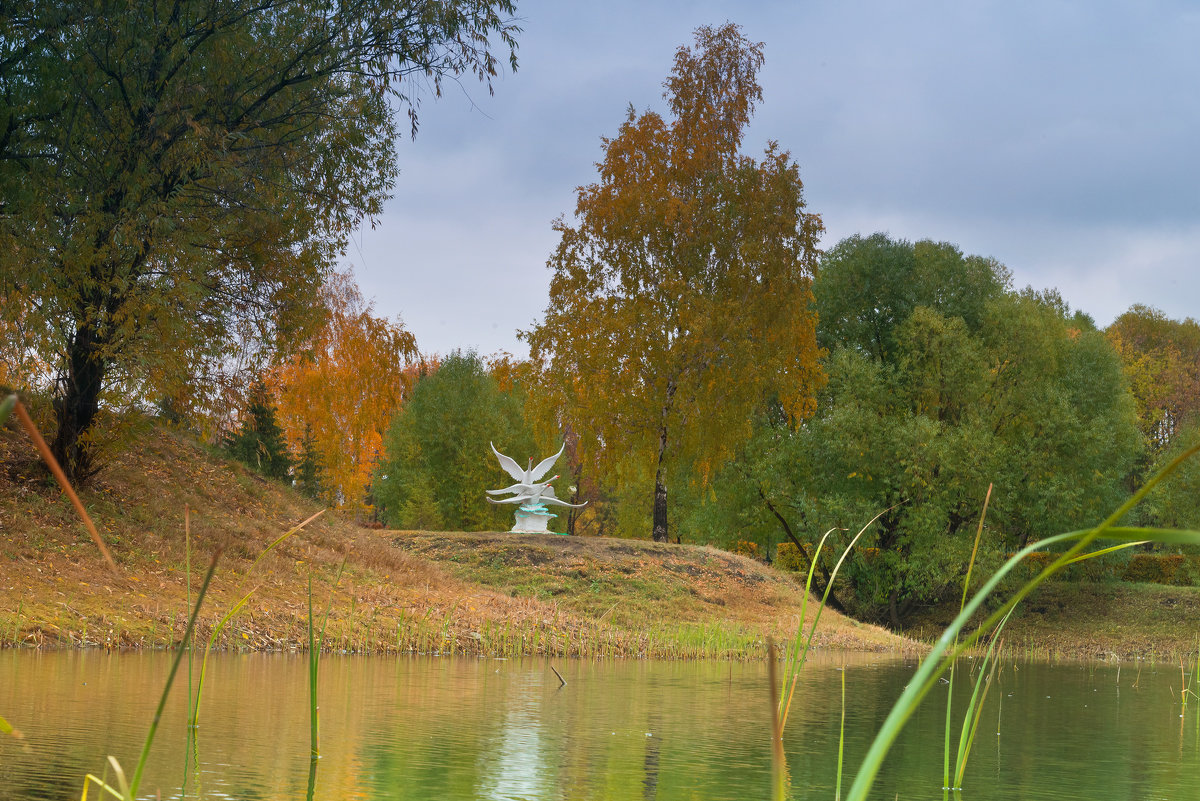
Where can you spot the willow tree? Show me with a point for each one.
(179, 175)
(681, 293)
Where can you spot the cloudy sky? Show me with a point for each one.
(1061, 138)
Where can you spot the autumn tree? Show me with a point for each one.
(179, 175)
(1161, 358)
(681, 292)
(438, 461)
(342, 388)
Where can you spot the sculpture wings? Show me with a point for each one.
(544, 466)
(529, 491)
(511, 467)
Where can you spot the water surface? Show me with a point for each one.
(458, 728)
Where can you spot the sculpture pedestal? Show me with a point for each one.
(532, 522)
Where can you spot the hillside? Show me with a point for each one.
(492, 593)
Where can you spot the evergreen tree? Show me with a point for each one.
(259, 443)
(306, 474)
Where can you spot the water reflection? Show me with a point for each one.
(417, 728)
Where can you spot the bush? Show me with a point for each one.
(746, 548)
(787, 557)
(1188, 574)
(1153, 568)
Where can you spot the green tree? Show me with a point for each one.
(868, 286)
(681, 295)
(1012, 390)
(307, 470)
(178, 175)
(437, 462)
(1175, 503)
(259, 442)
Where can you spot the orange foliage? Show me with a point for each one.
(345, 385)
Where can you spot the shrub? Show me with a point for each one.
(787, 557)
(1153, 568)
(746, 548)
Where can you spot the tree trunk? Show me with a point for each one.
(659, 531)
(77, 404)
(821, 572)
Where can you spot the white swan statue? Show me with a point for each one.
(533, 495)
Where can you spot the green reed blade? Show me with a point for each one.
(237, 608)
(216, 632)
(791, 679)
(932, 668)
(841, 738)
(975, 706)
(962, 602)
(162, 701)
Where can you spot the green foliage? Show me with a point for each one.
(179, 176)
(932, 395)
(1175, 503)
(259, 443)
(868, 287)
(306, 473)
(437, 463)
(948, 645)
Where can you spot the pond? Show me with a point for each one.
(455, 728)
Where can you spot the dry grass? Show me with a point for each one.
(460, 593)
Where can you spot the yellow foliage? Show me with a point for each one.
(681, 295)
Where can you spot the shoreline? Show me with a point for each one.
(491, 593)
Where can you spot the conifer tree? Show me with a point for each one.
(259, 443)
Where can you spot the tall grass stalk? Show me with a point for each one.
(797, 654)
(315, 644)
(187, 573)
(962, 603)
(13, 404)
(945, 650)
(975, 707)
(216, 632)
(778, 761)
(841, 738)
(128, 791)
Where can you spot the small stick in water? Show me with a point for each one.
(560, 678)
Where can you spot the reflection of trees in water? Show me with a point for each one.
(59, 777)
(650, 763)
(411, 730)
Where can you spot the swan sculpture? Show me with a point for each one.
(530, 492)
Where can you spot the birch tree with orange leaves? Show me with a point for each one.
(340, 392)
(681, 295)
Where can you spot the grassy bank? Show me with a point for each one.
(438, 592)
(1080, 620)
(399, 592)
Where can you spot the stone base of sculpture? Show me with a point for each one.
(532, 521)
